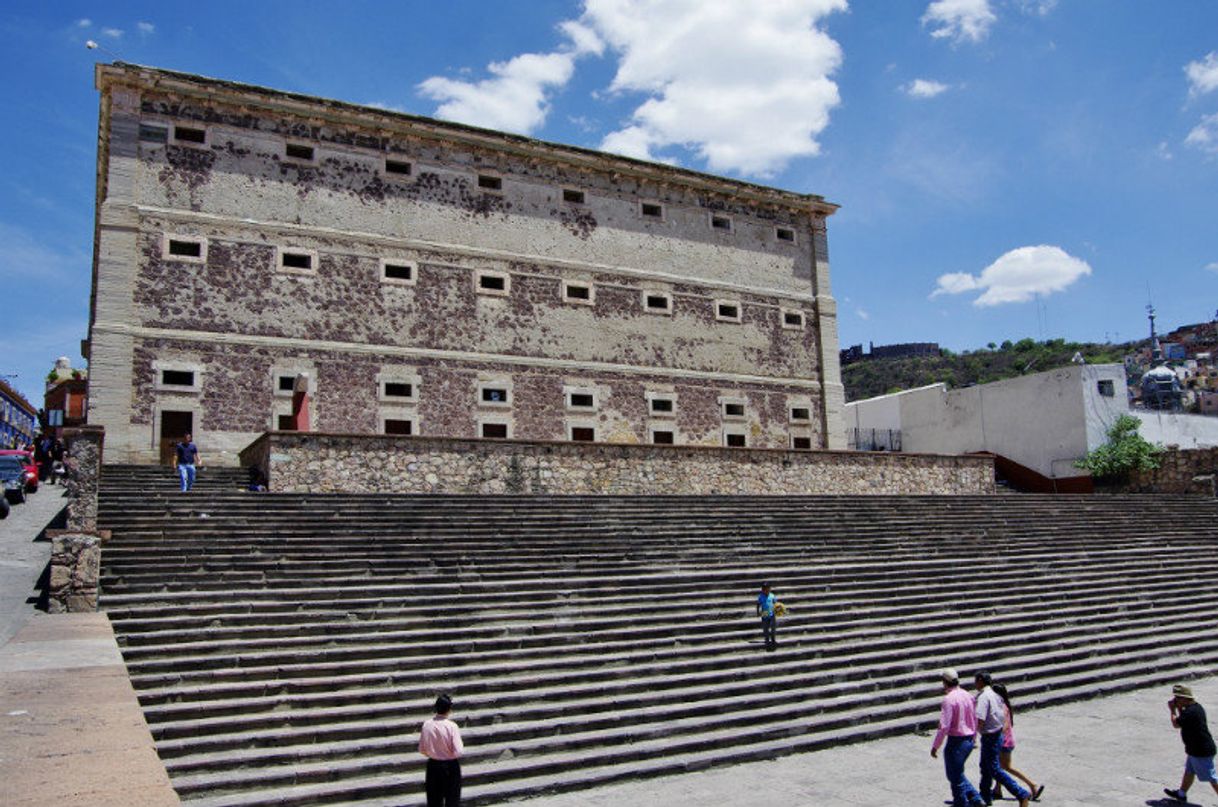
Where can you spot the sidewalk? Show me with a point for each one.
(71, 730)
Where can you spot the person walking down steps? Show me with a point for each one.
(185, 458)
(440, 742)
(767, 605)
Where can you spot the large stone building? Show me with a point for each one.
(429, 278)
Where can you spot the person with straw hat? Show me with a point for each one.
(1188, 716)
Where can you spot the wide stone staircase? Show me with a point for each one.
(286, 648)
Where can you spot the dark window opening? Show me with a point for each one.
(397, 389)
(399, 271)
(186, 249)
(492, 282)
(735, 441)
(153, 134)
(189, 135)
(733, 409)
(496, 431)
(574, 197)
(285, 423)
(657, 301)
(793, 318)
(653, 210)
(490, 183)
(729, 311)
(582, 399)
(298, 152)
(1107, 388)
(663, 438)
(178, 378)
(661, 404)
(800, 413)
(298, 260)
(287, 383)
(579, 292)
(494, 395)
(785, 234)
(721, 223)
(583, 434)
(397, 167)
(801, 443)
(398, 427)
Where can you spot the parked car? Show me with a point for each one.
(31, 467)
(4, 507)
(13, 476)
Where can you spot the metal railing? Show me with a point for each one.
(875, 440)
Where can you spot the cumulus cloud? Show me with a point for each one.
(146, 28)
(1205, 134)
(84, 22)
(113, 33)
(959, 20)
(1203, 75)
(1017, 277)
(746, 87)
(924, 88)
(516, 97)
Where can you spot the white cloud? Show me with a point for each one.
(1213, 267)
(744, 86)
(862, 314)
(1203, 76)
(1163, 150)
(1205, 134)
(1040, 8)
(113, 33)
(84, 22)
(146, 28)
(1018, 276)
(959, 20)
(924, 88)
(516, 98)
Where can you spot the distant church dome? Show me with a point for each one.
(1159, 375)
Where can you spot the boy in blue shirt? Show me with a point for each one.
(769, 620)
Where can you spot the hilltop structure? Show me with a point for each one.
(402, 275)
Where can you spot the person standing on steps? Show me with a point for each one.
(1188, 716)
(440, 742)
(185, 458)
(766, 602)
(957, 725)
(1008, 747)
(991, 717)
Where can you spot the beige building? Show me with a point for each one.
(428, 278)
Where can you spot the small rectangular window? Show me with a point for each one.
(728, 312)
(185, 249)
(494, 395)
(657, 302)
(662, 405)
(721, 223)
(734, 440)
(286, 383)
(573, 196)
(398, 389)
(495, 431)
(581, 293)
(800, 413)
(801, 443)
(577, 292)
(397, 167)
(297, 151)
(662, 437)
(152, 133)
(490, 183)
(652, 210)
(581, 400)
(296, 260)
(177, 378)
(792, 319)
(733, 410)
(1107, 387)
(399, 271)
(583, 434)
(285, 423)
(492, 282)
(785, 234)
(398, 426)
(189, 134)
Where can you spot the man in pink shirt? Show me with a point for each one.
(958, 725)
(440, 742)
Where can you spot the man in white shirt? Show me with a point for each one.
(991, 716)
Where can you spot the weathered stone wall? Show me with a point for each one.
(1191, 470)
(75, 569)
(242, 198)
(83, 448)
(331, 463)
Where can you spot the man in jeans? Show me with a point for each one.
(958, 725)
(769, 620)
(991, 717)
(185, 458)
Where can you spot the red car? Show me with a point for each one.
(31, 467)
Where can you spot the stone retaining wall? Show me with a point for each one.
(75, 565)
(1190, 470)
(332, 463)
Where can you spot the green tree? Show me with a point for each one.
(1125, 452)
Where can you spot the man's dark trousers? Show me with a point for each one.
(443, 783)
(991, 768)
(769, 625)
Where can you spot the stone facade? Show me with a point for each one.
(1180, 471)
(247, 236)
(75, 569)
(333, 463)
(83, 448)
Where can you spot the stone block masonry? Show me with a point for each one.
(75, 564)
(334, 463)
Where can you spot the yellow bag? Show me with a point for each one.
(780, 609)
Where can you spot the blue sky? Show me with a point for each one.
(1006, 168)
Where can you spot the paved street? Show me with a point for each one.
(1113, 751)
(23, 556)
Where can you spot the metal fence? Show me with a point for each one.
(875, 440)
